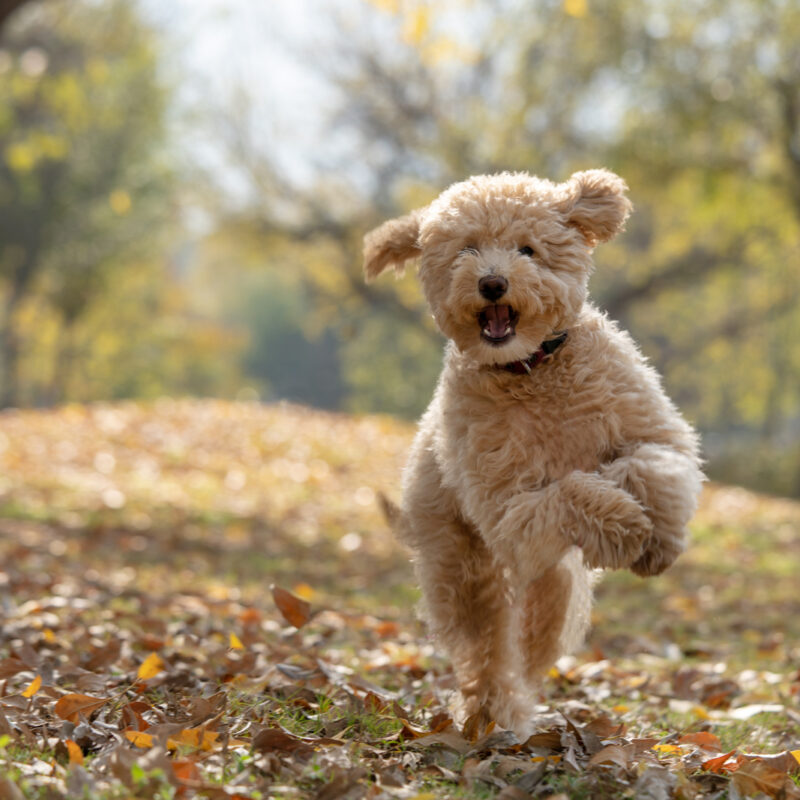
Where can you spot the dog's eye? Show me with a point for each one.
(526, 251)
(469, 249)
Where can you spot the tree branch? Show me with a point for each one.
(698, 262)
(7, 8)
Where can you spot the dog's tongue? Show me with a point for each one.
(497, 320)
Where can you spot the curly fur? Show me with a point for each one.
(518, 486)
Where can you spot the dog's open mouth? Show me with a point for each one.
(497, 323)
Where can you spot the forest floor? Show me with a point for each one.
(200, 599)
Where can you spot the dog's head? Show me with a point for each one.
(504, 259)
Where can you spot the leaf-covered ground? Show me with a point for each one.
(145, 654)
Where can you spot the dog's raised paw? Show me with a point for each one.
(613, 531)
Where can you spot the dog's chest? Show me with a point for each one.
(534, 433)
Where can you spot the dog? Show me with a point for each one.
(549, 449)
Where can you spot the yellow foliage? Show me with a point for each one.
(50, 146)
(120, 202)
(417, 25)
(576, 8)
(445, 49)
(390, 6)
(97, 70)
(34, 687)
(20, 157)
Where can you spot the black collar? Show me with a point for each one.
(526, 365)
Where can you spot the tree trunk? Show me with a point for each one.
(7, 8)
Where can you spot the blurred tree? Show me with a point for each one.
(85, 182)
(7, 8)
(696, 103)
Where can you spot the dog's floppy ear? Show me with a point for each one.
(595, 203)
(391, 244)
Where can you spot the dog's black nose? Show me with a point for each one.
(492, 287)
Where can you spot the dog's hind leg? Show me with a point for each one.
(554, 615)
(468, 612)
(465, 592)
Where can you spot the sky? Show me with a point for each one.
(216, 50)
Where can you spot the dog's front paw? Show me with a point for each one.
(613, 529)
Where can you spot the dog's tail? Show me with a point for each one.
(394, 517)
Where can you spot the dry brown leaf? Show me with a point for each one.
(512, 793)
(786, 761)
(716, 765)
(704, 739)
(295, 611)
(448, 738)
(374, 704)
(71, 706)
(9, 790)
(549, 740)
(613, 754)
(755, 776)
(477, 725)
(605, 728)
(104, 656)
(271, 739)
(185, 771)
(10, 667)
(440, 722)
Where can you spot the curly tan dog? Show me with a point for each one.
(549, 447)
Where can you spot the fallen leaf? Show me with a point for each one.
(613, 754)
(756, 776)
(603, 727)
(33, 687)
(551, 740)
(787, 761)
(10, 667)
(270, 739)
(703, 739)
(716, 765)
(75, 752)
(185, 771)
(70, 706)
(194, 737)
(150, 667)
(9, 790)
(295, 611)
(304, 591)
(374, 704)
(667, 749)
(139, 739)
(448, 738)
(234, 642)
